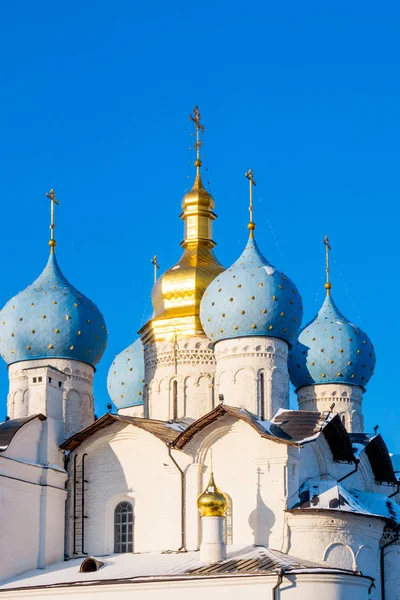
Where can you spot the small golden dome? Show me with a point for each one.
(212, 502)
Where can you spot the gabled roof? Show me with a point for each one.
(265, 428)
(9, 428)
(291, 427)
(166, 432)
(377, 453)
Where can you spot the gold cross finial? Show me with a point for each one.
(328, 285)
(154, 262)
(52, 197)
(195, 118)
(251, 226)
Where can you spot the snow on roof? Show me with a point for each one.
(379, 504)
(134, 567)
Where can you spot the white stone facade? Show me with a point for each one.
(179, 379)
(252, 372)
(346, 398)
(76, 403)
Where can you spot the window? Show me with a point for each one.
(123, 528)
(228, 530)
(49, 379)
(59, 383)
(343, 417)
(175, 400)
(262, 398)
(39, 379)
(34, 380)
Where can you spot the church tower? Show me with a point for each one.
(332, 362)
(179, 360)
(51, 337)
(252, 313)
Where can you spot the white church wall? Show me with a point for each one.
(131, 411)
(125, 463)
(392, 569)
(32, 502)
(252, 372)
(342, 540)
(251, 470)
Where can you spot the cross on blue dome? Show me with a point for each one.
(52, 319)
(126, 377)
(251, 298)
(331, 349)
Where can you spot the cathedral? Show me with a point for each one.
(201, 477)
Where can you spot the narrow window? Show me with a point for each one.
(34, 380)
(344, 419)
(39, 379)
(49, 379)
(123, 528)
(228, 529)
(175, 400)
(59, 383)
(262, 399)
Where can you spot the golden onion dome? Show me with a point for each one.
(212, 502)
(177, 294)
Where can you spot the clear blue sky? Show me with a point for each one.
(95, 98)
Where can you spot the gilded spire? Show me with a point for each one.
(328, 285)
(251, 226)
(52, 196)
(195, 118)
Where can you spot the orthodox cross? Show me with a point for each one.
(328, 284)
(251, 226)
(154, 262)
(195, 118)
(52, 197)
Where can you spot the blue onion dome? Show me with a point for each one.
(126, 377)
(52, 319)
(330, 349)
(251, 298)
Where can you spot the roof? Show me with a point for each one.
(378, 455)
(331, 349)
(52, 319)
(265, 428)
(291, 427)
(325, 493)
(305, 426)
(164, 431)
(256, 300)
(9, 428)
(139, 568)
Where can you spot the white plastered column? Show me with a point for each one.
(347, 400)
(252, 372)
(212, 548)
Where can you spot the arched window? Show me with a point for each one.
(123, 528)
(175, 400)
(261, 397)
(228, 524)
(343, 417)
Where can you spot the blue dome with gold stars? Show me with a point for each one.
(330, 349)
(126, 377)
(52, 319)
(251, 298)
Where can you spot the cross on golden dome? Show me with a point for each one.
(195, 118)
